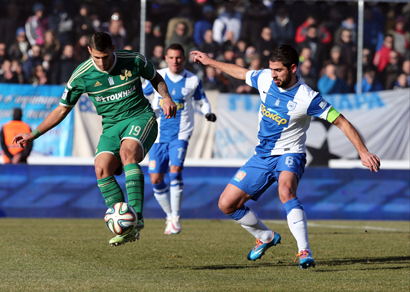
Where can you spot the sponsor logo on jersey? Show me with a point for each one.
(323, 104)
(180, 105)
(97, 84)
(240, 175)
(152, 164)
(125, 74)
(291, 105)
(271, 114)
(64, 96)
(111, 81)
(117, 96)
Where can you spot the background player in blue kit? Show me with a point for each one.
(170, 147)
(284, 117)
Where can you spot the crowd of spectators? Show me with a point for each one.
(43, 42)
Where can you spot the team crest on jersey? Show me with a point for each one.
(240, 175)
(184, 91)
(125, 74)
(291, 105)
(111, 81)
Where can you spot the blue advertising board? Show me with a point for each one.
(37, 102)
(38, 191)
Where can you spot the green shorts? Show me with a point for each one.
(143, 129)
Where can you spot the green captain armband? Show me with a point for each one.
(36, 133)
(332, 115)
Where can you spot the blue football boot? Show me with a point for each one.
(305, 260)
(259, 250)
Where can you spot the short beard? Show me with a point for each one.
(286, 82)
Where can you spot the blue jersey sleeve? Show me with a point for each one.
(253, 78)
(199, 91)
(147, 88)
(317, 106)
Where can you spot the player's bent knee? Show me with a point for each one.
(225, 206)
(128, 156)
(286, 194)
(155, 181)
(100, 171)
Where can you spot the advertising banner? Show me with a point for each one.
(37, 102)
(381, 118)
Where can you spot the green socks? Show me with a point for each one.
(134, 184)
(110, 190)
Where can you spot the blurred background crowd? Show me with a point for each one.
(42, 42)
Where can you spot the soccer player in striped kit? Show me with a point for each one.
(284, 117)
(113, 81)
(170, 147)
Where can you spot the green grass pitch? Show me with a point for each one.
(208, 255)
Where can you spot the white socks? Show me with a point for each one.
(161, 193)
(255, 226)
(297, 223)
(176, 199)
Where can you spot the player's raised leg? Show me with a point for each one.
(296, 217)
(131, 153)
(232, 203)
(105, 165)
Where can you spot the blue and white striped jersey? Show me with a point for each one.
(184, 88)
(285, 114)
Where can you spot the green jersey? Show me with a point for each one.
(116, 93)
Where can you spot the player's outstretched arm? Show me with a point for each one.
(368, 159)
(168, 105)
(52, 120)
(234, 70)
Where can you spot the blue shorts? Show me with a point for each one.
(259, 173)
(161, 154)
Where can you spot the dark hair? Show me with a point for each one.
(100, 41)
(176, 47)
(17, 114)
(285, 54)
(369, 68)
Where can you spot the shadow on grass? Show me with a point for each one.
(235, 267)
(375, 260)
(400, 262)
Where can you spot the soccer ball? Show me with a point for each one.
(121, 218)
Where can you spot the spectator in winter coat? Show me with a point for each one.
(36, 26)
(322, 33)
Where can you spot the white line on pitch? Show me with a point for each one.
(341, 226)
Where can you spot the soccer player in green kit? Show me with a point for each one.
(112, 79)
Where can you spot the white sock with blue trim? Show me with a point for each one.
(161, 193)
(297, 223)
(176, 190)
(251, 222)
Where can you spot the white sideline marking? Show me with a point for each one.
(342, 226)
